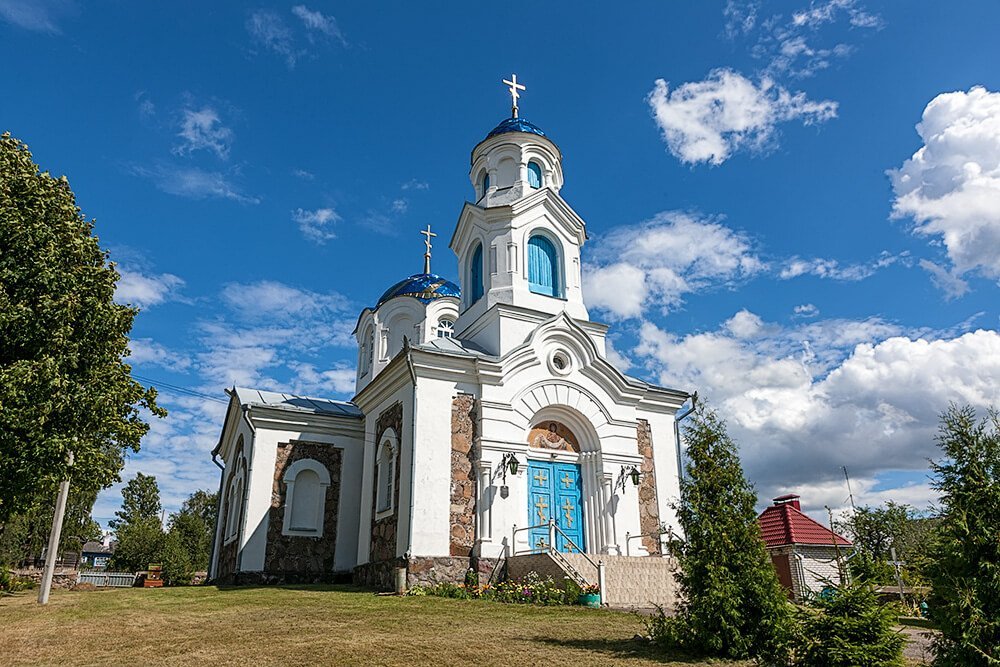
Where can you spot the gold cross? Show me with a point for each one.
(568, 506)
(567, 481)
(541, 506)
(541, 477)
(540, 543)
(514, 87)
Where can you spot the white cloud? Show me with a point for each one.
(37, 15)
(951, 186)
(657, 262)
(269, 30)
(303, 174)
(831, 268)
(202, 129)
(316, 225)
(308, 380)
(144, 290)
(803, 43)
(710, 120)
(272, 301)
(414, 184)
(805, 400)
(806, 310)
(146, 351)
(193, 183)
(319, 22)
(400, 205)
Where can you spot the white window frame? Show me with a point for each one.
(390, 443)
(289, 479)
(234, 500)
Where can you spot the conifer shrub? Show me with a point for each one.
(732, 603)
(848, 628)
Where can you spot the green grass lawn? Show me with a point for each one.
(330, 625)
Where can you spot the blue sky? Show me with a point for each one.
(767, 223)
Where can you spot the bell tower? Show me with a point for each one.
(518, 242)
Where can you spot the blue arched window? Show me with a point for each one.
(476, 275)
(486, 182)
(534, 175)
(543, 267)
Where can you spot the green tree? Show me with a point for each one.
(140, 500)
(874, 532)
(194, 527)
(176, 560)
(733, 605)
(138, 544)
(848, 629)
(965, 561)
(26, 534)
(63, 383)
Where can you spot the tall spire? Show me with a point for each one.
(514, 87)
(427, 253)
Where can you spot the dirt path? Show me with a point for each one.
(918, 645)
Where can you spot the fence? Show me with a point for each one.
(108, 579)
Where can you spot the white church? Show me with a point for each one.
(487, 426)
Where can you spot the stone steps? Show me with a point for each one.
(639, 582)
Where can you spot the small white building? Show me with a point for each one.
(455, 389)
(804, 551)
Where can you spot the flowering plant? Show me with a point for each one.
(590, 589)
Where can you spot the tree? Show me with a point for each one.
(848, 628)
(63, 383)
(140, 500)
(733, 605)
(965, 560)
(194, 527)
(875, 531)
(25, 535)
(138, 530)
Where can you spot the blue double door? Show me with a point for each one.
(555, 491)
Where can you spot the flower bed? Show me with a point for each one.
(532, 589)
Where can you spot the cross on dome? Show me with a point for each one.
(427, 253)
(514, 87)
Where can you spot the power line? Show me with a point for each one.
(181, 390)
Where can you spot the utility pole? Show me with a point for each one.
(850, 494)
(57, 522)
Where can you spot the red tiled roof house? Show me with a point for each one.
(801, 549)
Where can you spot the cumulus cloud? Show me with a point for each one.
(316, 225)
(148, 352)
(805, 310)
(143, 290)
(657, 262)
(833, 269)
(202, 129)
(950, 187)
(805, 400)
(710, 120)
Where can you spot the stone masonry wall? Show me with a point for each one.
(463, 475)
(649, 512)
(288, 555)
(383, 544)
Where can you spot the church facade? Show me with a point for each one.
(487, 419)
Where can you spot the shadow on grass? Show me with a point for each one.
(340, 588)
(624, 648)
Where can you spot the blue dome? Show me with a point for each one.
(515, 125)
(425, 287)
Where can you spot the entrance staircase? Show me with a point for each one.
(626, 582)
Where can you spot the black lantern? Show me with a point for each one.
(512, 464)
(635, 476)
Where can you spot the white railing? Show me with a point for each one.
(550, 548)
(107, 579)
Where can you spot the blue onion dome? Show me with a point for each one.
(425, 287)
(515, 125)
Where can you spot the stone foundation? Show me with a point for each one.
(62, 577)
(421, 571)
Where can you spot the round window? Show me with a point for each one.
(560, 362)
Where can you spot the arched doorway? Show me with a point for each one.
(555, 486)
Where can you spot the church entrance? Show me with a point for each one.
(555, 491)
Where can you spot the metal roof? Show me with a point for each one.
(273, 399)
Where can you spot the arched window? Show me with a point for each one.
(370, 338)
(234, 499)
(476, 275)
(385, 477)
(306, 482)
(486, 182)
(445, 328)
(543, 267)
(534, 175)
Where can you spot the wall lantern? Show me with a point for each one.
(627, 472)
(508, 463)
(635, 476)
(512, 463)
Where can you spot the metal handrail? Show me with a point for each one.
(550, 549)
